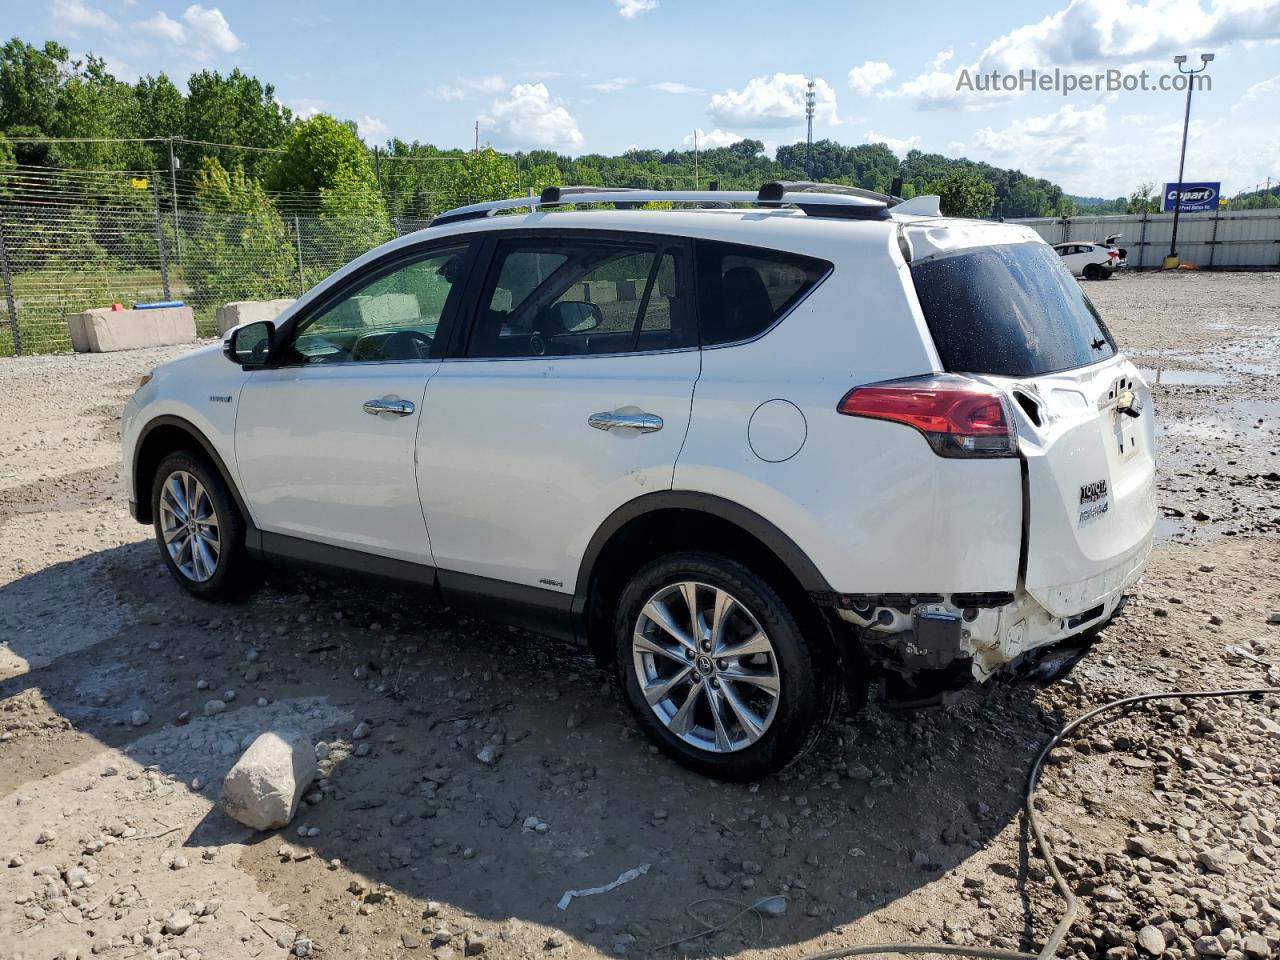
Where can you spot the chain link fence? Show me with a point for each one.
(59, 259)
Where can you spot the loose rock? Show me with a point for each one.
(262, 790)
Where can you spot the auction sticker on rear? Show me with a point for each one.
(1095, 500)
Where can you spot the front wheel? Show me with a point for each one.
(716, 669)
(198, 528)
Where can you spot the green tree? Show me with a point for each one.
(93, 104)
(236, 109)
(964, 194)
(542, 175)
(1143, 200)
(30, 81)
(1026, 199)
(315, 152)
(353, 219)
(45, 93)
(240, 249)
(485, 175)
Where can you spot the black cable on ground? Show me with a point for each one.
(1051, 945)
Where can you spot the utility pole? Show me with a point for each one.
(1180, 60)
(173, 187)
(695, 158)
(477, 136)
(377, 167)
(809, 100)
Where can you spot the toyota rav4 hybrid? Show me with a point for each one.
(759, 452)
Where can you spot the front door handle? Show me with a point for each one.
(401, 408)
(642, 422)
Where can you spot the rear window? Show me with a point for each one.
(1009, 310)
(742, 291)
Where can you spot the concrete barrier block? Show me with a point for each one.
(388, 309)
(248, 311)
(103, 330)
(600, 291)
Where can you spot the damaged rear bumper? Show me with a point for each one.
(927, 643)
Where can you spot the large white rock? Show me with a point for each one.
(263, 788)
(248, 311)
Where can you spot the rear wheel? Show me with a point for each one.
(1093, 272)
(198, 528)
(716, 669)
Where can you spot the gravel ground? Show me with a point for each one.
(899, 827)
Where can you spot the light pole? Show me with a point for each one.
(1181, 60)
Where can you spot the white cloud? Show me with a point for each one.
(612, 85)
(776, 101)
(871, 74)
(942, 58)
(1117, 32)
(489, 83)
(1076, 147)
(1068, 127)
(899, 146)
(1264, 89)
(371, 128)
(306, 109)
(672, 86)
(444, 91)
(630, 9)
(163, 26)
(201, 33)
(710, 139)
(208, 29)
(1090, 35)
(529, 117)
(75, 15)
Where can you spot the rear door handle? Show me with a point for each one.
(642, 422)
(401, 408)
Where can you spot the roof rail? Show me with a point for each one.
(843, 202)
(772, 191)
(552, 195)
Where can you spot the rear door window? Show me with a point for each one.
(743, 291)
(1009, 310)
(563, 297)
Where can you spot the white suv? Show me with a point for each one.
(755, 452)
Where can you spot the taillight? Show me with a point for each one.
(1113, 253)
(957, 416)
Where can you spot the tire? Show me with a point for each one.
(217, 527)
(1093, 272)
(760, 731)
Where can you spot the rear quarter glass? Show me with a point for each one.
(1009, 310)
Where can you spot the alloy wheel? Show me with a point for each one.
(706, 667)
(189, 526)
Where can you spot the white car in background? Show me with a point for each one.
(1093, 261)
(754, 454)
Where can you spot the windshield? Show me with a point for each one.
(1009, 310)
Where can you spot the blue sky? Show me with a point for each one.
(603, 75)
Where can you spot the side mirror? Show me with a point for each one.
(578, 316)
(250, 345)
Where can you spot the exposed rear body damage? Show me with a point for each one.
(1010, 325)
